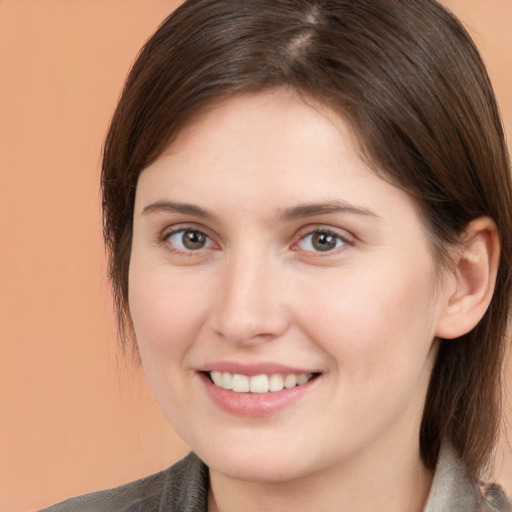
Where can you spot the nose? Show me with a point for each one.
(251, 305)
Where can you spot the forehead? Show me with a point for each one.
(255, 115)
(272, 130)
(276, 146)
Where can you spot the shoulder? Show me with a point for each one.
(183, 487)
(452, 491)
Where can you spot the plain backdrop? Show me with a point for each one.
(75, 415)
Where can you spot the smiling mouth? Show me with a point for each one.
(261, 384)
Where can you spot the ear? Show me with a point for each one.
(472, 280)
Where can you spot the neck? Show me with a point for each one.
(394, 482)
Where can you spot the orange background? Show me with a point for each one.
(76, 416)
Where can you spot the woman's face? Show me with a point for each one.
(267, 255)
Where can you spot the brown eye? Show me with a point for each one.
(193, 240)
(189, 240)
(321, 241)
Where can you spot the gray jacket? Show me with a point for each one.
(184, 488)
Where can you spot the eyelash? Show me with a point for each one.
(341, 241)
(184, 229)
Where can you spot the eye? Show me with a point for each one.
(189, 240)
(321, 241)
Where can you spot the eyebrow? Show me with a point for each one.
(184, 208)
(287, 214)
(313, 209)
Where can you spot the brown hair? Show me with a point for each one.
(410, 82)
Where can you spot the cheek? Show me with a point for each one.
(166, 310)
(379, 336)
(372, 323)
(167, 313)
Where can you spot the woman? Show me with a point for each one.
(308, 210)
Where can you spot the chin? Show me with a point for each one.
(271, 465)
(262, 470)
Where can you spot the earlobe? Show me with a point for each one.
(473, 279)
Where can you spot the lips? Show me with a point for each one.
(258, 389)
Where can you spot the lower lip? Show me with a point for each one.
(255, 404)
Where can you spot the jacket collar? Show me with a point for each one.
(452, 491)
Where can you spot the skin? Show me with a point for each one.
(365, 315)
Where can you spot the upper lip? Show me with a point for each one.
(252, 369)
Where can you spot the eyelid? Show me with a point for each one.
(166, 233)
(347, 238)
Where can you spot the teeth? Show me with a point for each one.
(217, 378)
(240, 383)
(276, 382)
(290, 381)
(259, 383)
(303, 378)
(227, 380)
